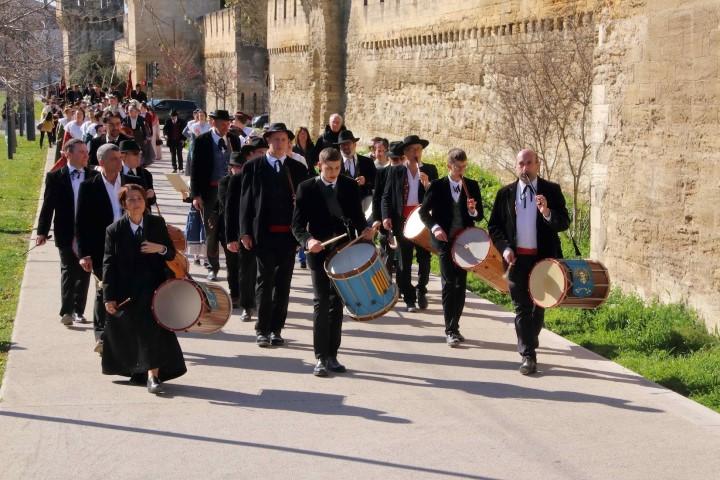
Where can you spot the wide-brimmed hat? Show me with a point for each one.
(220, 115)
(413, 140)
(395, 150)
(242, 116)
(278, 127)
(129, 146)
(237, 159)
(252, 144)
(346, 136)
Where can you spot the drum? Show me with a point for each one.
(362, 280)
(189, 306)
(474, 251)
(179, 265)
(178, 238)
(367, 207)
(569, 283)
(416, 231)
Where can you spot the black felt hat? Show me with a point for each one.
(220, 115)
(253, 143)
(278, 127)
(413, 140)
(346, 136)
(395, 150)
(237, 159)
(129, 146)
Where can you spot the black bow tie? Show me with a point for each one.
(456, 188)
(523, 196)
(75, 174)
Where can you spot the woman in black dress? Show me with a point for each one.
(136, 249)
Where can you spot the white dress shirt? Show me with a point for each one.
(76, 180)
(216, 138)
(113, 191)
(134, 228)
(455, 190)
(413, 187)
(350, 163)
(272, 161)
(527, 212)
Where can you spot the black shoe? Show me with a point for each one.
(276, 340)
(303, 264)
(422, 300)
(459, 336)
(235, 303)
(211, 276)
(154, 385)
(410, 307)
(452, 340)
(138, 378)
(320, 369)
(335, 366)
(174, 170)
(528, 366)
(262, 341)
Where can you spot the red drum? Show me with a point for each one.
(416, 231)
(474, 251)
(569, 283)
(177, 237)
(189, 306)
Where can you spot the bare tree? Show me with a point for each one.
(220, 75)
(542, 96)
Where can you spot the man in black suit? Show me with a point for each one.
(247, 265)
(267, 199)
(211, 157)
(358, 167)
(524, 225)
(98, 207)
(395, 158)
(138, 94)
(404, 190)
(323, 202)
(130, 153)
(172, 130)
(60, 200)
(113, 135)
(451, 204)
(329, 137)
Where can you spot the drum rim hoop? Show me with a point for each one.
(202, 308)
(380, 313)
(355, 271)
(405, 221)
(565, 290)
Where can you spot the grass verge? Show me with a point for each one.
(20, 181)
(667, 344)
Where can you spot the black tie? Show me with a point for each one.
(132, 172)
(75, 174)
(221, 145)
(524, 194)
(139, 234)
(457, 188)
(331, 188)
(277, 166)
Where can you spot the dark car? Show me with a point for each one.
(259, 121)
(162, 107)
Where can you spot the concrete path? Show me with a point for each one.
(410, 407)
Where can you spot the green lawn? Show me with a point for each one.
(667, 344)
(20, 181)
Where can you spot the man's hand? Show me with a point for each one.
(509, 256)
(424, 179)
(198, 204)
(360, 180)
(376, 224)
(314, 245)
(150, 193)
(440, 234)
(471, 204)
(247, 242)
(86, 264)
(233, 246)
(111, 307)
(151, 247)
(542, 205)
(368, 234)
(387, 223)
(40, 240)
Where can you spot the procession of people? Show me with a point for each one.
(262, 197)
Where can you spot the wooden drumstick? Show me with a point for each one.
(328, 242)
(35, 246)
(124, 302)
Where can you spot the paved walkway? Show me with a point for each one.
(410, 407)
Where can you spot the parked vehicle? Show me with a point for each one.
(259, 121)
(163, 106)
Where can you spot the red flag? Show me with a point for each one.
(128, 85)
(63, 87)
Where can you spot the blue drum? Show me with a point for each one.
(362, 280)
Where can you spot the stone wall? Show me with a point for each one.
(231, 45)
(657, 148)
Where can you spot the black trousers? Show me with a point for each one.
(327, 311)
(99, 313)
(176, 155)
(404, 269)
(233, 271)
(212, 232)
(529, 318)
(74, 283)
(454, 282)
(275, 264)
(247, 277)
(388, 252)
